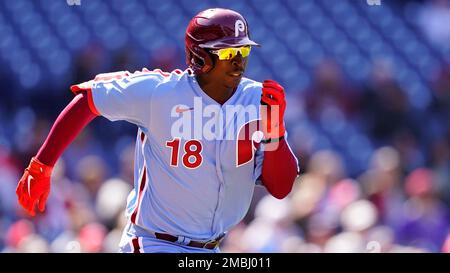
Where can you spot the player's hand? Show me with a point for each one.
(34, 186)
(273, 105)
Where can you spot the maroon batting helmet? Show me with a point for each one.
(213, 29)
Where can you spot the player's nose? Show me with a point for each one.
(238, 62)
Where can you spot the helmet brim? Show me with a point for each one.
(224, 43)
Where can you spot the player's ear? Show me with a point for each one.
(208, 62)
(198, 60)
(211, 60)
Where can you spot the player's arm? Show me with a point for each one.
(279, 170)
(34, 186)
(279, 166)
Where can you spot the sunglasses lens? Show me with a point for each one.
(230, 53)
(227, 53)
(245, 51)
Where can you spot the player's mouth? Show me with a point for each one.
(236, 74)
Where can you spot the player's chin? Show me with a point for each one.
(233, 81)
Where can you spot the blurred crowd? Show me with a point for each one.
(375, 171)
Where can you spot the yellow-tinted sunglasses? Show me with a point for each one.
(231, 52)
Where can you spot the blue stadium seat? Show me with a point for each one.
(30, 76)
(302, 33)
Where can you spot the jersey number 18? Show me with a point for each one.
(192, 156)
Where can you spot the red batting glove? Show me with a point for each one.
(34, 186)
(272, 118)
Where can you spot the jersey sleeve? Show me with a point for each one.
(122, 95)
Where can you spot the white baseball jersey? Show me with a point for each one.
(191, 178)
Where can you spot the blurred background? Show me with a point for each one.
(368, 86)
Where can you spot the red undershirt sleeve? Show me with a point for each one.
(77, 114)
(279, 170)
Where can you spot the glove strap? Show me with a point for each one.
(272, 140)
(38, 167)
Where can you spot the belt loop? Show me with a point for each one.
(183, 240)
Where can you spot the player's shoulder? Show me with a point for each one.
(250, 88)
(155, 75)
(146, 77)
(159, 75)
(248, 84)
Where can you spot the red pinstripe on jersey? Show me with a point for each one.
(136, 247)
(141, 189)
(142, 183)
(165, 74)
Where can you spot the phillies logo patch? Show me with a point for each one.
(248, 141)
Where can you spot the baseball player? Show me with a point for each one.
(190, 186)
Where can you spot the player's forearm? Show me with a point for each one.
(66, 127)
(279, 170)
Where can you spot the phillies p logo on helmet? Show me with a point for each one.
(239, 26)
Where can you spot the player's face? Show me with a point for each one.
(229, 72)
